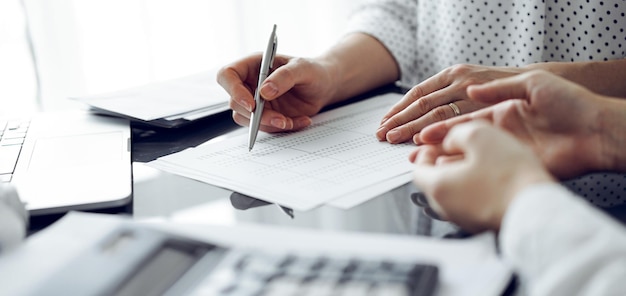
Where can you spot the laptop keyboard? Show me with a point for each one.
(247, 273)
(12, 135)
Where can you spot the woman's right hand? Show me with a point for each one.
(295, 90)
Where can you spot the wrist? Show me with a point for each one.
(611, 120)
(357, 64)
(568, 70)
(333, 69)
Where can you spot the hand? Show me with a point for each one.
(557, 118)
(428, 101)
(296, 89)
(470, 181)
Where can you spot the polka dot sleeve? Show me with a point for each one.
(394, 23)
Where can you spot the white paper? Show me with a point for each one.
(170, 99)
(337, 157)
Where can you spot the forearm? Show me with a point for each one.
(606, 77)
(358, 63)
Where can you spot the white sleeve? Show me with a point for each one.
(394, 24)
(560, 245)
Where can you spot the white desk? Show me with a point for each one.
(161, 194)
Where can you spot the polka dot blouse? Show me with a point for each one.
(427, 36)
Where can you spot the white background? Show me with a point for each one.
(90, 46)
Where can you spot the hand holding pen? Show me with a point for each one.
(294, 90)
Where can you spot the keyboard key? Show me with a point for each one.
(12, 142)
(353, 289)
(8, 158)
(318, 287)
(14, 135)
(283, 286)
(390, 289)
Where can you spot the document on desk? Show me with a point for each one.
(166, 103)
(336, 161)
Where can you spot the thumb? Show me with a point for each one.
(283, 78)
(515, 87)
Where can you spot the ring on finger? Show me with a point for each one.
(455, 109)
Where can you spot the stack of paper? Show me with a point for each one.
(336, 161)
(168, 103)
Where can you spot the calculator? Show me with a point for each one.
(136, 260)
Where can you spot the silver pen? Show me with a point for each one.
(266, 65)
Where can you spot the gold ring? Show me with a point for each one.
(455, 108)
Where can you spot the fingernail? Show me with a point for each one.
(279, 123)
(302, 122)
(393, 136)
(381, 132)
(269, 90)
(416, 139)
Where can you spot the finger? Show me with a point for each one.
(294, 71)
(425, 176)
(468, 138)
(515, 87)
(413, 155)
(446, 159)
(404, 113)
(428, 178)
(273, 121)
(428, 86)
(291, 124)
(417, 139)
(240, 119)
(405, 132)
(436, 132)
(427, 155)
(233, 79)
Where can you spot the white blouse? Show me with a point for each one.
(426, 37)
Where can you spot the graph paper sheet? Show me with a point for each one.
(337, 158)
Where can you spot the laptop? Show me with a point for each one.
(62, 161)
